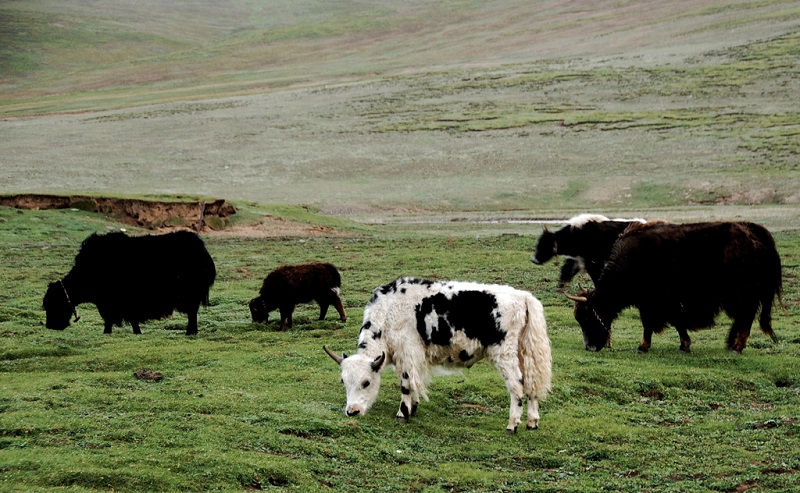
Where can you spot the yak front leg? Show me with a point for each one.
(191, 324)
(409, 398)
(740, 332)
(323, 309)
(286, 316)
(686, 341)
(651, 324)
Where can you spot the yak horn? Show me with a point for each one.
(376, 365)
(333, 355)
(579, 299)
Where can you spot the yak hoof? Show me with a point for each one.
(511, 431)
(401, 419)
(533, 427)
(642, 350)
(685, 350)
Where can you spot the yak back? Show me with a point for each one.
(143, 277)
(301, 283)
(698, 267)
(593, 240)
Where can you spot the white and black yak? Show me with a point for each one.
(290, 285)
(416, 324)
(134, 279)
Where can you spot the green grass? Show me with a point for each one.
(245, 407)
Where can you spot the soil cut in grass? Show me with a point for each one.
(149, 214)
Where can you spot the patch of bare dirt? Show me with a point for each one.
(151, 375)
(151, 214)
(169, 215)
(275, 227)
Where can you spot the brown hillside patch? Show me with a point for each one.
(276, 227)
(150, 214)
(171, 215)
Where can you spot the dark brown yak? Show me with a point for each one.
(289, 285)
(684, 275)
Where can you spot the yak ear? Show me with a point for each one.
(544, 229)
(376, 365)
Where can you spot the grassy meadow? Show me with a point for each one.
(403, 137)
(244, 407)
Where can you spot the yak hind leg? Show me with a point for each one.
(765, 319)
(647, 341)
(512, 374)
(108, 327)
(135, 327)
(533, 413)
(337, 303)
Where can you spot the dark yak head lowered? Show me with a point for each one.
(258, 310)
(596, 330)
(546, 247)
(57, 306)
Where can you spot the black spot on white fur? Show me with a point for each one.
(472, 312)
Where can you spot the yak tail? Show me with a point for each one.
(534, 351)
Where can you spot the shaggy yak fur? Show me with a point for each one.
(417, 324)
(683, 275)
(586, 241)
(134, 279)
(290, 285)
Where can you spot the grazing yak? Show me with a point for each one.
(585, 240)
(416, 324)
(289, 285)
(684, 275)
(134, 279)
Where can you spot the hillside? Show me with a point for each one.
(439, 105)
(104, 53)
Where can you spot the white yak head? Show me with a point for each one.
(361, 376)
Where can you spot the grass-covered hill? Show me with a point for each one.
(352, 106)
(180, 50)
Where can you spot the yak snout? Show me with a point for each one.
(351, 411)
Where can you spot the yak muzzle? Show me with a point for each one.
(353, 411)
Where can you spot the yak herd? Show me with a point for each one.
(681, 275)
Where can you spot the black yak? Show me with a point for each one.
(684, 275)
(289, 285)
(134, 279)
(586, 240)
